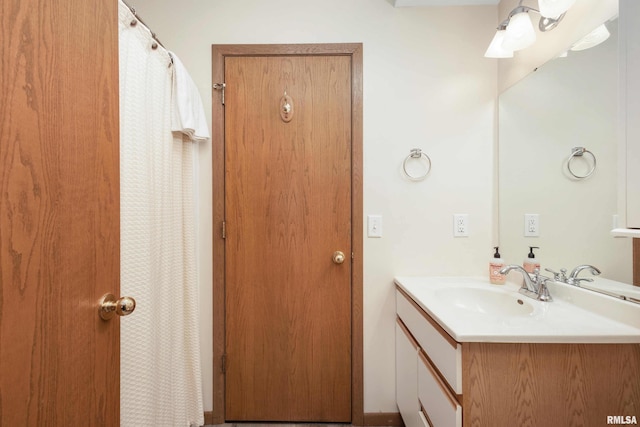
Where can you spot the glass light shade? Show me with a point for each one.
(520, 33)
(554, 8)
(592, 39)
(495, 49)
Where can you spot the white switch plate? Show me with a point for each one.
(374, 225)
(460, 225)
(531, 225)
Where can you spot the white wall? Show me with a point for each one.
(426, 84)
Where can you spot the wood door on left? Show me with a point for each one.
(59, 212)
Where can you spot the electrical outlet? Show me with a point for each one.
(531, 225)
(460, 225)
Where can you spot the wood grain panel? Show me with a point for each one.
(357, 241)
(353, 51)
(218, 261)
(383, 419)
(288, 197)
(549, 384)
(59, 212)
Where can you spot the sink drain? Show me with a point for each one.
(520, 302)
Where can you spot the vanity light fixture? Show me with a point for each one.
(554, 8)
(594, 38)
(548, 24)
(520, 33)
(517, 32)
(495, 49)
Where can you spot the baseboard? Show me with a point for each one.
(392, 419)
(208, 418)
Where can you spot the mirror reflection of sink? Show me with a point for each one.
(486, 301)
(613, 288)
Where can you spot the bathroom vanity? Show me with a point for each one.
(473, 354)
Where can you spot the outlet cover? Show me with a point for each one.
(531, 225)
(460, 225)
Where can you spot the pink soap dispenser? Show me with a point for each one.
(495, 265)
(530, 262)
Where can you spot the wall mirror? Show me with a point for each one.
(568, 102)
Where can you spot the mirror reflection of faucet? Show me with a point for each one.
(573, 278)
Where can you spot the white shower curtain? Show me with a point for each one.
(160, 354)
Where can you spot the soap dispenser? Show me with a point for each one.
(495, 265)
(530, 262)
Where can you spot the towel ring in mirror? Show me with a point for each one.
(416, 153)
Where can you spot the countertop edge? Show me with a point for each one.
(510, 339)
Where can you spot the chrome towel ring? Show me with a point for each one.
(579, 152)
(416, 153)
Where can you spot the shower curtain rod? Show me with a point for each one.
(153, 35)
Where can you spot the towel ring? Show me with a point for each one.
(579, 152)
(416, 153)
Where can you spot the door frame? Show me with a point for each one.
(219, 52)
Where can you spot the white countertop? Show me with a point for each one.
(575, 316)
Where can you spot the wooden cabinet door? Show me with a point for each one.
(59, 212)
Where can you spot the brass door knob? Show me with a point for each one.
(338, 257)
(110, 305)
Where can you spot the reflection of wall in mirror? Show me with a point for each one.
(568, 102)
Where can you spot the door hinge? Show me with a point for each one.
(224, 229)
(223, 364)
(220, 87)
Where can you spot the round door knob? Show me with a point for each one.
(110, 305)
(338, 257)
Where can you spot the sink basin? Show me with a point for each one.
(486, 301)
(470, 309)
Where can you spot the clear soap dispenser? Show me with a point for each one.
(495, 265)
(530, 262)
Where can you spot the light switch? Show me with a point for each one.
(374, 225)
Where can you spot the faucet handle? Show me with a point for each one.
(537, 276)
(543, 291)
(558, 277)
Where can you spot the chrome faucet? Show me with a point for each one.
(573, 276)
(535, 288)
(559, 277)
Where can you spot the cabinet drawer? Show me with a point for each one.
(441, 406)
(442, 349)
(423, 420)
(407, 376)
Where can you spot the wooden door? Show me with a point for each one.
(59, 212)
(288, 210)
